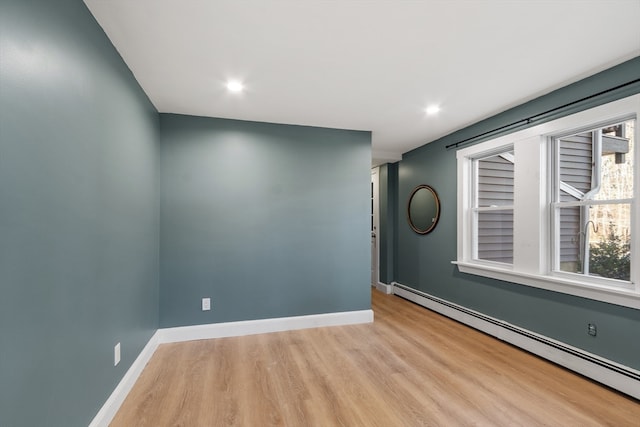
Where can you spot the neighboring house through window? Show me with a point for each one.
(494, 208)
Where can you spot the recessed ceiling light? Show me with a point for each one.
(432, 109)
(235, 86)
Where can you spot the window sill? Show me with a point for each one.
(626, 297)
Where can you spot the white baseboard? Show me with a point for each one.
(105, 415)
(217, 330)
(605, 371)
(263, 326)
(383, 287)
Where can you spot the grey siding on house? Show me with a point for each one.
(495, 228)
(576, 159)
(576, 165)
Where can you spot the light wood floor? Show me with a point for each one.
(411, 367)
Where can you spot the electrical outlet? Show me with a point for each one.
(592, 330)
(206, 304)
(116, 355)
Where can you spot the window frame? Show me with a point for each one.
(533, 223)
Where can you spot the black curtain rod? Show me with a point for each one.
(528, 120)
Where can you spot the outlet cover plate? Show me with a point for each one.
(206, 304)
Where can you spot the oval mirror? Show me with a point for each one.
(423, 209)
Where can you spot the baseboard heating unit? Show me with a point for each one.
(607, 372)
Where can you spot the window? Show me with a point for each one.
(555, 206)
(593, 196)
(493, 208)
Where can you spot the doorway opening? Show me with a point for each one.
(375, 190)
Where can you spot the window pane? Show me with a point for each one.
(576, 164)
(495, 180)
(495, 236)
(571, 239)
(616, 170)
(595, 240)
(598, 164)
(609, 241)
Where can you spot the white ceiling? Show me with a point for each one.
(366, 65)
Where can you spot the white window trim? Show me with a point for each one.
(532, 234)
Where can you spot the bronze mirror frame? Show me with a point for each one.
(434, 219)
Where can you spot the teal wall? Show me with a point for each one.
(79, 215)
(424, 262)
(267, 220)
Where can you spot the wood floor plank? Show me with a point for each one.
(411, 367)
